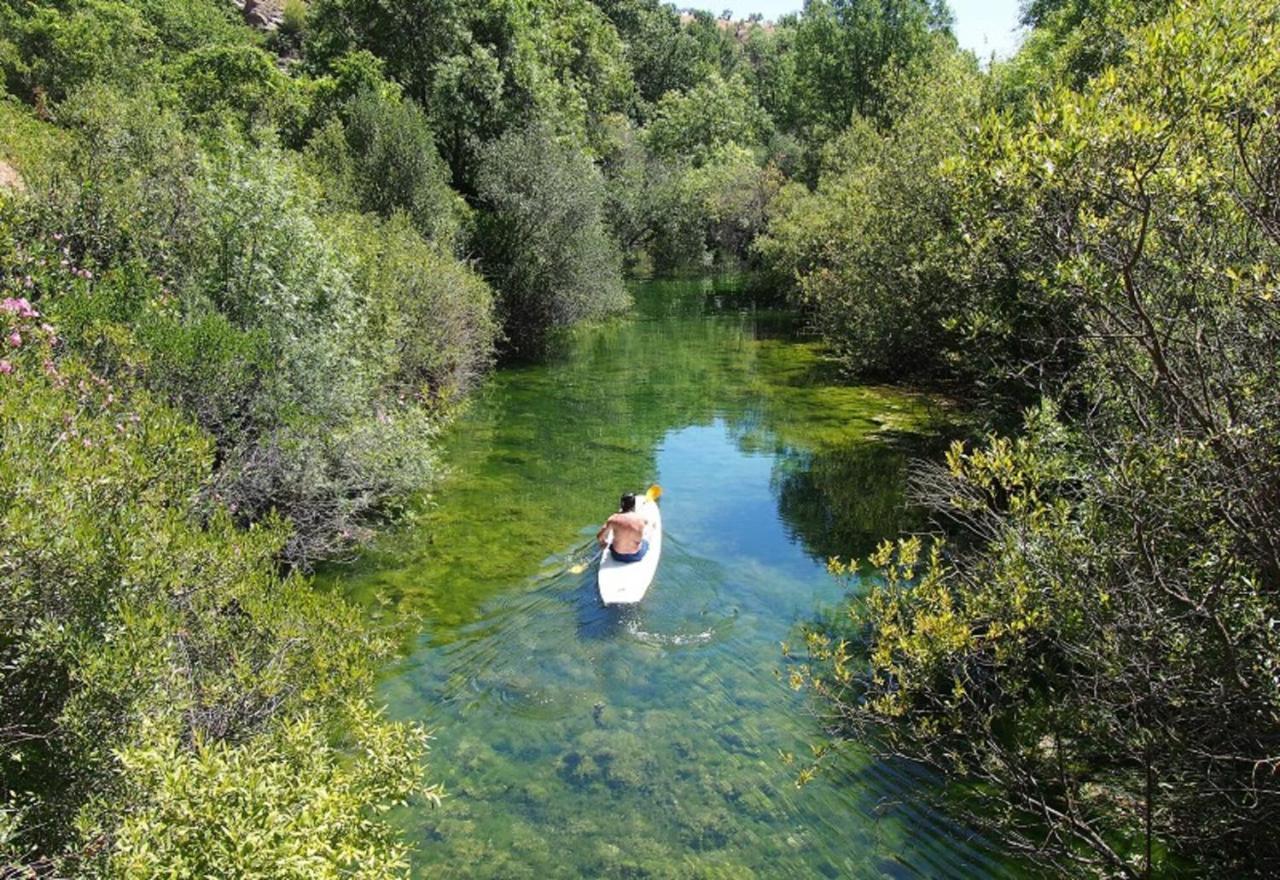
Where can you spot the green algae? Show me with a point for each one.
(578, 741)
(544, 451)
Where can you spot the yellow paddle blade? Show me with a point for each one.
(654, 493)
(578, 569)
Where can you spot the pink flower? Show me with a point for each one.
(57, 236)
(21, 307)
(15, 339)
(5, 368)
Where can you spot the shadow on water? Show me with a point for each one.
(843, 501)
(595, 619)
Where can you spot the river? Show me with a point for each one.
(579, 741)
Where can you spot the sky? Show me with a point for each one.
(985, 26)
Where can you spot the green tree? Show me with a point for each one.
(543, 240)
(770, 70)
(1070, 41)
(663, 55)
(481, 69)
(871, 253)
(692, 125)
(844, 52)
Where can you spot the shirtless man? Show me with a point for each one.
(629, 544)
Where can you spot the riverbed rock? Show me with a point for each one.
(617, 759)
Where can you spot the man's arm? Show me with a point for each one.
(603, 529)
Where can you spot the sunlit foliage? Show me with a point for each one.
(1097, 649)
(155, 663)
(869, 251)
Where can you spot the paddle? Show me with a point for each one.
(653, 493)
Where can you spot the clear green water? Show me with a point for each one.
(579, 741)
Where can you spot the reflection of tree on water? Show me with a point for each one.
(839, 500)
(842, 502)
(839, 473)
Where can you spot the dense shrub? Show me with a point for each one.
(872, 252)
(1099, 651)
(711, 213)
(193, 809)
(219, 83)
(436, 314)
(121, 188)
(182, 25)
(150, 643)
(48, 50)
(321, 433)
(220, 282)
(380, 153)
(542, 237)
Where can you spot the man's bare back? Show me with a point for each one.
(628, 531)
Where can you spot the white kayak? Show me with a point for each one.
(625, 583)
